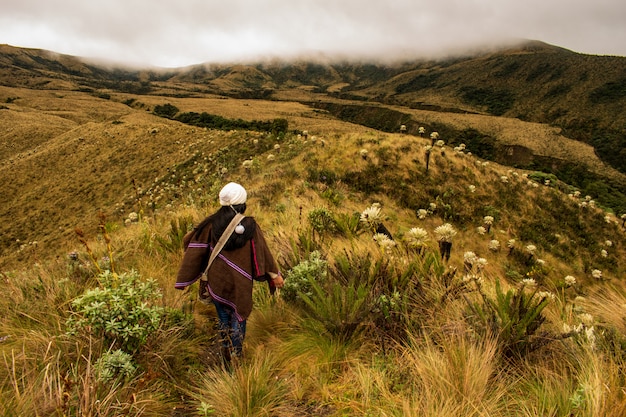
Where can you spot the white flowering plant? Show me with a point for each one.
(487, 222)
(444, 234)
(371, 216)
(469, 259)
(384, 241)
(416, 238)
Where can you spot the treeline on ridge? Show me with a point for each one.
(212, 121)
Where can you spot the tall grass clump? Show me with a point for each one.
(254, 387)
(453, 376)
(600, 385)
(544, 391)
(436, 293)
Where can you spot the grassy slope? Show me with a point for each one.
(68, 155)
(66, 180)
(78, 154)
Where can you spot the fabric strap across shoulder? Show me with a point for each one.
(223, 239)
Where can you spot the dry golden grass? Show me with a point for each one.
(608, 305)
(310, 372)
(70, 155)
(454, 376)
(539, 138)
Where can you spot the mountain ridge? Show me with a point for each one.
(582, 94)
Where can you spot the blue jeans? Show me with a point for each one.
(232, 331)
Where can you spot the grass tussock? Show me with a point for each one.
(454, 375)
(252, 388)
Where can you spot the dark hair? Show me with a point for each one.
(220, 220)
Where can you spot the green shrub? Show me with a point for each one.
(342, 311)
(299, 279)
(368, 181)
(542, 177)
(333, 196)
(165, 110)
(610, 92)
(322, 221)
(121, 311)
(212, 121)
(325, 176)
(420, 82)
(497, 102)
(514, 318)
(115, 364)
(279, 126)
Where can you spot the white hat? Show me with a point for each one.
(233, 194)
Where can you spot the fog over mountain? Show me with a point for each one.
(194, 31)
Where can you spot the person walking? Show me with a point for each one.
(227, 252)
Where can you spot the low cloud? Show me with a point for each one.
(196, 31)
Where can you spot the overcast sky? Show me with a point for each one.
(184, 32)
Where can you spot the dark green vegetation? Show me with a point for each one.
(212, 121)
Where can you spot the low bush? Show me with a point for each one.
(122, 311)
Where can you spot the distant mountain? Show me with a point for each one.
(583, 94)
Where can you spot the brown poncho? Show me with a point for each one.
(232, 273)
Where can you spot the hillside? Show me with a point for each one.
(523, 315)
(582, 94)
(80, 133)
(69, 155)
